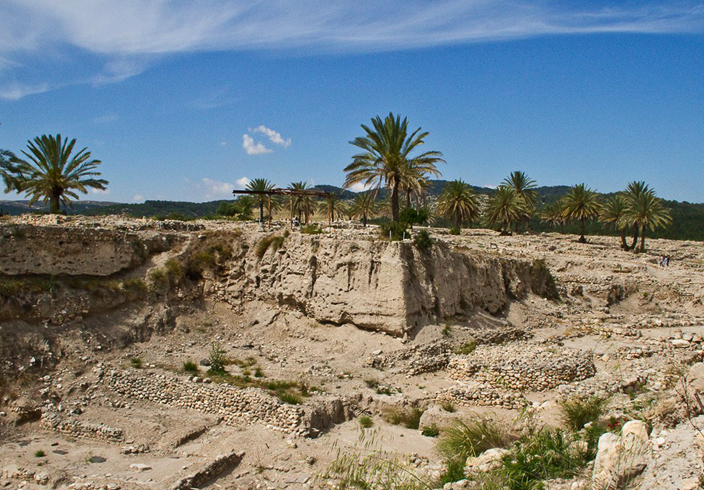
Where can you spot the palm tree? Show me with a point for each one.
(505, 208)
(612, 213)
(415, 179)
(458, 202)
(645, 211)
(263, 186)
(524, 187)
(386, 157)
(52, 173)
(581, 203)
(335, 207)
(633, 193)
(553, 214)
(363, 207)
(302, 204)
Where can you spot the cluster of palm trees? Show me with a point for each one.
(386, 161)
(636, 209)
(50, 172)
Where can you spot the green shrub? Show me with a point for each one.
(365, 421)
(371, 383)
(136, 362)
(273, 241)
(454, 471)
(545, 454)
(446, 330)
(448, 406)
(258, 373)
(198, 263)
(423, 241)
(464, 439)
(390, 230)
(217, 359)
(39, 453)
(579, 411)
(466, 348)
(174, 270)
(190, 367)
(431, 431)
(455, 231)
(134, 284)
(290, 398)
(311, 229)
(159, 279)
(408, 417)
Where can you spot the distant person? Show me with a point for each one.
(296, 222)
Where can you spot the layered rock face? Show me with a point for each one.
(378, 285)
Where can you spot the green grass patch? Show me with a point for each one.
(466, 348)
(136, 362)
(579, 411)
(190, 367)
(409, 417)
(366, 422)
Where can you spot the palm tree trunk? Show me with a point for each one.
(624, 245)
(408, 198)
(261, 211)
(394, 200)
(635, 238)
(642, 239)
(582, 239)
(55, 201)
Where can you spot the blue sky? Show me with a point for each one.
(188, 100)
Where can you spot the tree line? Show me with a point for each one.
(51, 173)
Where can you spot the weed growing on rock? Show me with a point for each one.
(448, 406)
(371, 383)
(217, 359)
(190, 367)
(408, 417)
(431, 431)
(423, 241)
(464, 439)
(455, 231)
(39, 453)
(372, 468)
(545, 454)
(136, 362)
(274, 242)
(134, 285)
(579, 411)
(365, 421)
(466, 348)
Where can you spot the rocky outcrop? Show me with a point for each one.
(379, 285)
(74, 251)
(374, 284)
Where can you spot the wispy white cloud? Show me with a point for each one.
(215, 188)
(102, 192)
(128, 36)
(138, 198)
(108, 117)
(273, 136)
(16, 91)
(242, 182)
(252, 148)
